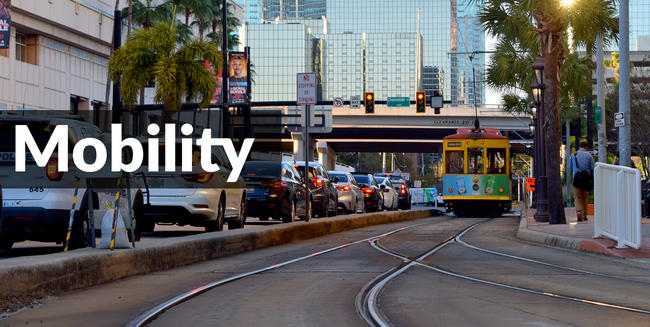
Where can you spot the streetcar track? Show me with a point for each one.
(377, 318)
(548, 264)
(158, 310)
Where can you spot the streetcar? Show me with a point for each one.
(476, 176)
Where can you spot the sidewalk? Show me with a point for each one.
(579, 236)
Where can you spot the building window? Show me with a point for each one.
(27, 48)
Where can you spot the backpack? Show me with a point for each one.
(583, 179)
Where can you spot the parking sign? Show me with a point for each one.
(306, 85)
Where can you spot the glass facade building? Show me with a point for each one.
(343, 71)
(432, 79)
(252, 10)
(639, 25)
(392, 64)
(278, 53)
(469, 70)
(390, 17)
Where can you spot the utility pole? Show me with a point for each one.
(600, 86)
(225, 123)
(383, 162)
(624, 150)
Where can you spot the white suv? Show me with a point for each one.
(38, 207)
(196, 199)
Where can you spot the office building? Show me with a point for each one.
(56, 65)
(639, 25)
(467, 80)
(432, 79)
(252, 10)
(278, 53)
(392, 64)
(399, 17)
(344, 65)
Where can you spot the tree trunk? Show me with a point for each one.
(552, 57)
(590, 121)
(128, 31)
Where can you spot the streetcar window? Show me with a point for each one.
(475, 161)
(496, 161)
(454, 162)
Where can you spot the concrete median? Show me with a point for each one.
(39, 276)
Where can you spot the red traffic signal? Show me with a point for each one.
(369, 102)
(420, 102)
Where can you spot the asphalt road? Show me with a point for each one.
(325, 290)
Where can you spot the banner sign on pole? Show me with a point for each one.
(237, 78)
(306, 86)
(218, 78)
(5, 24)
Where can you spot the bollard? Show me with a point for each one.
(71, 220)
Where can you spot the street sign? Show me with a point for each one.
(306, 86)
(355, 102)
(619, 119)
(398, 102)
(338, 102)
(530, 184)
(436, 101)
(598, 115)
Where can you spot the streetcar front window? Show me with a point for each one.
(496, 161)
(454, 162)
(475, 161)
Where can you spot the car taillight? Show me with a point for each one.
(52, 170)
(198, 178)
(275, 185)
(403, 189)
(317, 182)
(367, 190)
(344, 188)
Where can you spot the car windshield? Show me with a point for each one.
(380, 179)
(396, 179)
(342, 177)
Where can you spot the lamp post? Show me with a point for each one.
(537, 88)
(533, 128)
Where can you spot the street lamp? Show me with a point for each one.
(537, 90)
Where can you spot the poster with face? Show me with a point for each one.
(237, 77)
(5, 23)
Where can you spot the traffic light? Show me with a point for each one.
(369, 102)
(420, 102)
(436, 102)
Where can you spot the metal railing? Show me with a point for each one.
(617, 204)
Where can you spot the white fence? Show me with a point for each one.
(617, 204)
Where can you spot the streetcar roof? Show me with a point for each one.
(471, 133)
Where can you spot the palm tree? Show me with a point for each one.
(546, 28)
(178, 71)
(231, 23)
(146, 15)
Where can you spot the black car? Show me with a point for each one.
(274, 190)
(323, 191)
(403, 192)
(373, 197)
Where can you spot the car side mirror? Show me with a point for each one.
(335, 180)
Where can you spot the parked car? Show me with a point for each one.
(198, 198)
(274, 190)
(390, 195)
(36, 204)
(402, 188)
(349, 192)
(323, 192)
(373, 197)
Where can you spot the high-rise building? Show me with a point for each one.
(432, 78)
(315, 9)
(397, 17)
(468, 71)
(392, 64)
(344, 65)
(278, 53)
(252, 10)
(639, 25)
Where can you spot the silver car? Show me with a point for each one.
(349, 192)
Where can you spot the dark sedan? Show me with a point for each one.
(372, 194)
(274, 190)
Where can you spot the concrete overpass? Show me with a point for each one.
(403, 130)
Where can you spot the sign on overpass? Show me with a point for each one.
(398, 102)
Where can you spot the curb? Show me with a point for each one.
(63, 272)
(544, 238)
